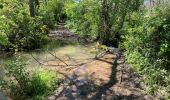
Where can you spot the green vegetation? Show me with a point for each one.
(21, 84)
(26, 27)
(144, 33)
(100, 19)
(83, 17)
(147, 41)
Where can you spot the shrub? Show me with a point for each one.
(47, 14)
(83, 17)
(43, 82)
(19, 30)
(52, 13)
(147, 39)
(3, 36)
(21, 84)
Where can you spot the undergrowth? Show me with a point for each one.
(20, 84)
(147, 40)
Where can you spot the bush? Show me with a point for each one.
(20, 84)
(83, 17)
(147, 39)
(52, 13)
(3, 36)
(43, 82)
(19, 30)
(47, 13)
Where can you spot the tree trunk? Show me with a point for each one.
(32, 8)
(105, 24)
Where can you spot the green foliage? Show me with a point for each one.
(146, 36)
(18, 29)
(101, 19)
(21, 31)
(47, 16)
(43, 81)
(147, 39)
(18, 81)
(21, 84)
(51, 12)
(83, 17)
(3, 26)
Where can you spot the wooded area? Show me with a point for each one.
(137, 31)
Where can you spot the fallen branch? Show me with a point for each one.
(100, 54)
(58, 58)
(36, 60)
(57, 65)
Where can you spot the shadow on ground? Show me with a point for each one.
(84, 87)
